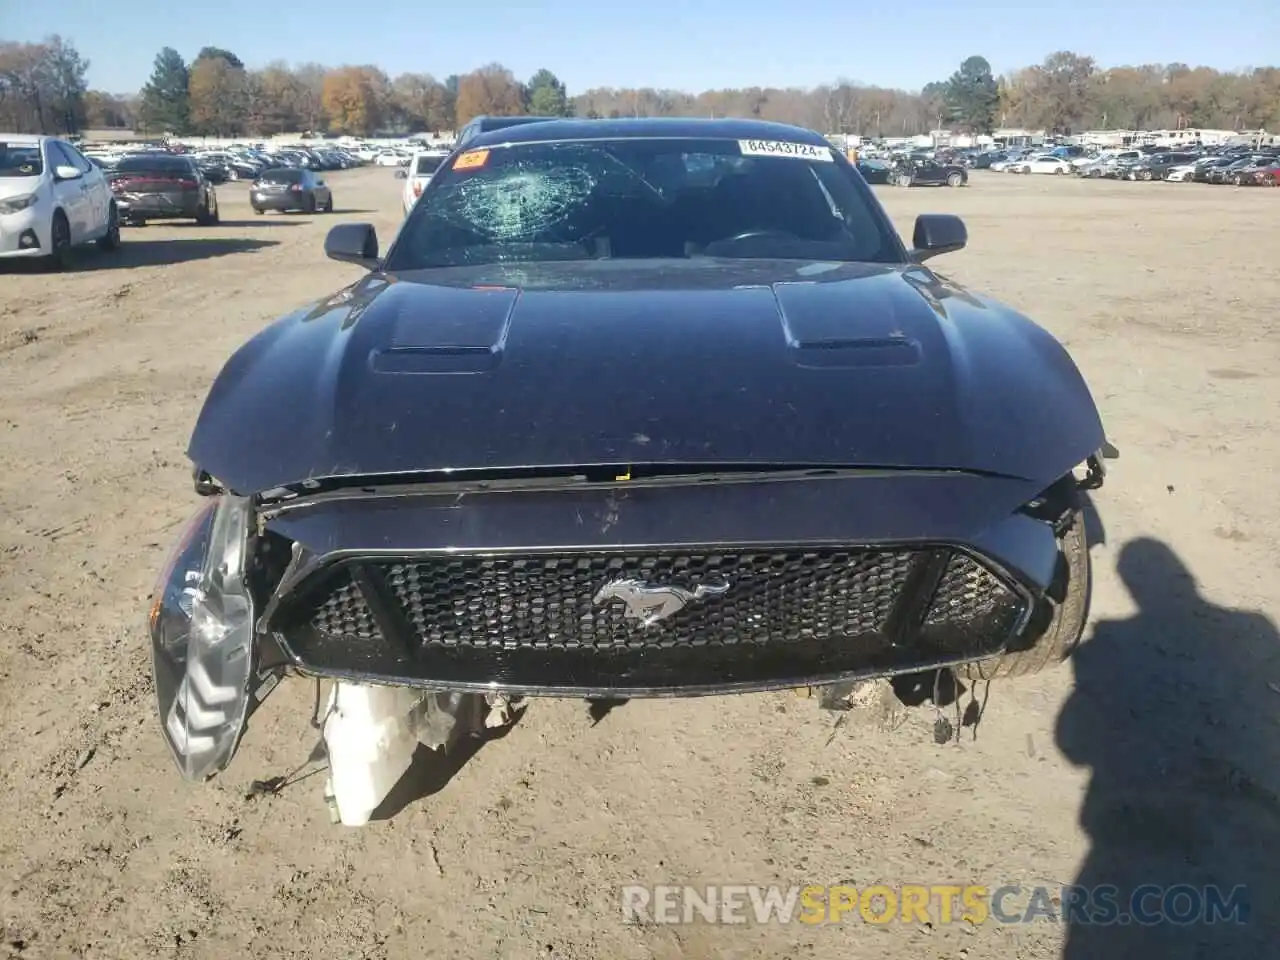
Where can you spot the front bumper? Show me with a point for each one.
(527, 599)
(24, 234)
(666, 588)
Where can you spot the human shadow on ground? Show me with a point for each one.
(1173, 712)
(142, 253)
(150, 253)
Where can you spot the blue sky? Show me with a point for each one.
(683, 44)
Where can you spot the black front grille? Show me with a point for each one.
(540, 621)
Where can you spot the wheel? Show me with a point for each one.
(310, 205)
(954, 180)
(204, 216)
(59, 242)
(233, 174)
(259, 211)
(1057, 623)
(1057, 171)
(111, 239)
(1145, 175)
(217, 213)
(328, 204)
(1237, 180)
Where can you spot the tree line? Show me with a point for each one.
(43, 88)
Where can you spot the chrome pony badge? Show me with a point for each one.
(649, 604)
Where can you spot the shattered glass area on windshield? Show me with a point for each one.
(638, 199)
(532, 199)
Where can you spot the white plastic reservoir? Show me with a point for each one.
(371, 733)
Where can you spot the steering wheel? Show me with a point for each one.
(749, 234)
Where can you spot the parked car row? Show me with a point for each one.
(912, 172)
(54, 198)
(1241, 166)
(1050, 163)
(237, 161)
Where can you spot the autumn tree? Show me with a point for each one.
(42, 87)
(220, 93)
(423, 102)
(311, 115)
(490, 91)
(277, 100)
(106, 111)
(356, 99)
(1065, 92)
(1059, 90)
(217, 53)
(547, 95)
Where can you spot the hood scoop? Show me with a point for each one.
(464, 331)
(826, 326)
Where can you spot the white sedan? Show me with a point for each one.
(1182, 173)
(52, 198)
(1001, 166)
(422, 168)
(1045, 163)
(389, 158)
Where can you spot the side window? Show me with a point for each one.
(78, 159)
(58, 155)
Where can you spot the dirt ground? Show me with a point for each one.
(1151, 757)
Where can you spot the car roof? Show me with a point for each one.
(26, 138)
(484, 123)
(648, 128)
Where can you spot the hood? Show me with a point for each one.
(655, 362)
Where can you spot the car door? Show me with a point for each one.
(71, 194)
(98, 192)
(927, 171)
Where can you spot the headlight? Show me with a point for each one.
(201, 627)
(17, 204)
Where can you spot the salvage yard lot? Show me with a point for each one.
(1153, 756)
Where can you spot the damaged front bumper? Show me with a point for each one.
(836, 578)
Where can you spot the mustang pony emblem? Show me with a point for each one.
(649, 604)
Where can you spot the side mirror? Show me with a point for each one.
(67, 173)
(353, 243)
(937, 233)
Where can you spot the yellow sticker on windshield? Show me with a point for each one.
(471, 160)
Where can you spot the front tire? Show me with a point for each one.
(111, 239)
(328, 204)
(955, 180)
(1057, 623)
(59, 258)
